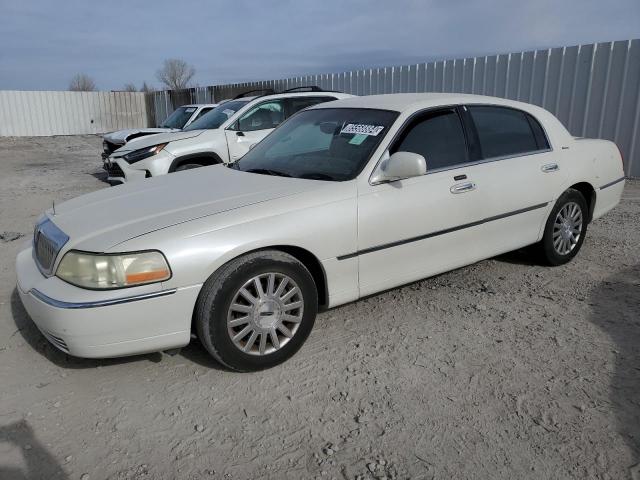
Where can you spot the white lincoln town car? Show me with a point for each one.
(343, 200)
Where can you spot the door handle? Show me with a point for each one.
(550, 167)
(463, 187)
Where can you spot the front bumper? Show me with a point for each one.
(119, 170)
(102, 324)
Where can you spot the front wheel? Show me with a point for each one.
(565, 229)
(257, 310)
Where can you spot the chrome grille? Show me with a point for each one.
(47, 242)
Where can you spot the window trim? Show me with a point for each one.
(430, 114)
(403, 127)
(470, 128)
(528, 117)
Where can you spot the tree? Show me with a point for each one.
(81, 82)
(129, 87)
(146, 88)
(176, 74)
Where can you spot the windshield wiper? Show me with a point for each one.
(318, 176)
(266, 171)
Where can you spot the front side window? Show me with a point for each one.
(438, 137)
(320, 144)
(178, 118)
(202, 112)
(264, 116)
(217, 116)
(504, 131)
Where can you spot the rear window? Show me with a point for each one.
(504, 131)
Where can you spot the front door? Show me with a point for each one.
(253, 126)
(414, 228)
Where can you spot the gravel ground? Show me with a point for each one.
(500, 370)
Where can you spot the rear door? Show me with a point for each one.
(520, 173)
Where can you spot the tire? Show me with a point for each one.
(223, 311)
(188, 166)
(559, 245)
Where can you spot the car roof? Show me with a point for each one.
(400, 102)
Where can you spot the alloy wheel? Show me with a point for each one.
(567, 228)
(265, 313)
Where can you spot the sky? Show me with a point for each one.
(43, 43)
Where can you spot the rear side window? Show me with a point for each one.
(505, 131)
(438, 137)
(300, 103)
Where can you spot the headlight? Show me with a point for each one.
(102, 271)
(141, 154)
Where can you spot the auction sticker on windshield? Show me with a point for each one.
(362, 129)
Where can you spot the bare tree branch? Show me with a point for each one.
(176, 73)
(147, 88)
(81, 82)
(129, 87)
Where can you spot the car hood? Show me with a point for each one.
(151, 140)
(121, 136)
(100, 220)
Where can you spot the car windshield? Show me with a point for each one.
(217, 116)
(178, 118)
(320, 144)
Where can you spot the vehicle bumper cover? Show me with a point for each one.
(134, 172)
(105, 324)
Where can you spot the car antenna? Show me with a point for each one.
(53, 205)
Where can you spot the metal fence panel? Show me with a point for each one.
(593, 89)
(28, 113)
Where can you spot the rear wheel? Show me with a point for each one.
(257, 310)
(565, 229)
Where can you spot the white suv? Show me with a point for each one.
(180, 118)
(223, 135)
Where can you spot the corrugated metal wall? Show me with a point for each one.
(593, 89)
(70, 113)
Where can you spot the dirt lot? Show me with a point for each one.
(501, 370)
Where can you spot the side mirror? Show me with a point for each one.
(399, 166)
